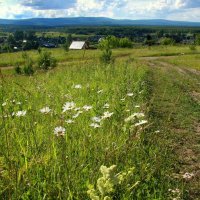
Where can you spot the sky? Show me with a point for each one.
(181, 10)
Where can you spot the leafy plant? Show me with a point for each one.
(46, 61)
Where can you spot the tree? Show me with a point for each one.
(197, 39)
(68, 42)
(167, 41)
(19, 35)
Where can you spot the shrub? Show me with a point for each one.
(46, 61)
(106, 56)
(28, 67)
(18, 69)
(167, 41)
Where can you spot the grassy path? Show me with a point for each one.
(175, 107)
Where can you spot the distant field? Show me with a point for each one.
(11, 59)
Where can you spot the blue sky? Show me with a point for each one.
(185, 10)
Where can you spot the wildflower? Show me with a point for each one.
(106, 106)
(21, 113)
(95, 125)
(135, 115)
(99, 92)
(45, 110)
(137, 106)
(68, 106)
(107, 115)
(130, 94)
(188, 176)
(87, 108)
(78, 86)
(59, 131)
(77, 109)
(158, 131)
(142, 122)
(4, 104)
(18, 103)
(96, 119)
(76, 115)
(123, 99)
(70, 121)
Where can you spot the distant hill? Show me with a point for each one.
(98, 21)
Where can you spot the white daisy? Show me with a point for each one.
(99, 92)
(69, 106)
(59, 131)
(130, 94)
(21, 113)
(45, 110)
(70, 121)
(4, 104)
(87, 108)
(142, 122)
(96, 119)
(78, 86)
(107, 115)
(95, 125)
(106, 106)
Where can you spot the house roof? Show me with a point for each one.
(77, 45)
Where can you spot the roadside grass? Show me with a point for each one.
(37, 164)
(185, 61)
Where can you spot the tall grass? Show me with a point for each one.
(37, 164)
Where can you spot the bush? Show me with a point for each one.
(125, 43)
(106, 56)
(167, 41)
(28, 67)
(193, 47)
(18, 69)
(46, 61)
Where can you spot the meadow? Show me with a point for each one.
(87, 130)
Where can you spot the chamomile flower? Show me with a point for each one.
(130, 94)
(78, 86)
(95, 125)
(69, 121)
(96, 119)
(100, 91)
(45, 110)
(107, 115)
(106, 106)
(21, 113)
(69, 106)
(59, 131)
(4, 104)
(87, 108)
(141, 122)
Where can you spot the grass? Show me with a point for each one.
(37, 164)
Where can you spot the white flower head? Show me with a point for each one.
(134, 116)
(87, 108)
(59, 131)
(4, 104)
(106, 106)
(76, 115)
(95, 125)
(141, 122)
(188, 176)
(99, 92)
(96, 119)
(45, 110)
(130, 94)
(21, 113)
(107, 115)
(70, 121)
(78, 86)
(137, 106)
(69, 106)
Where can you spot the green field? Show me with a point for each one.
(141, 114)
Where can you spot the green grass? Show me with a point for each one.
(37, 164)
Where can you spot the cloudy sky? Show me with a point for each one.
(187, 10)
